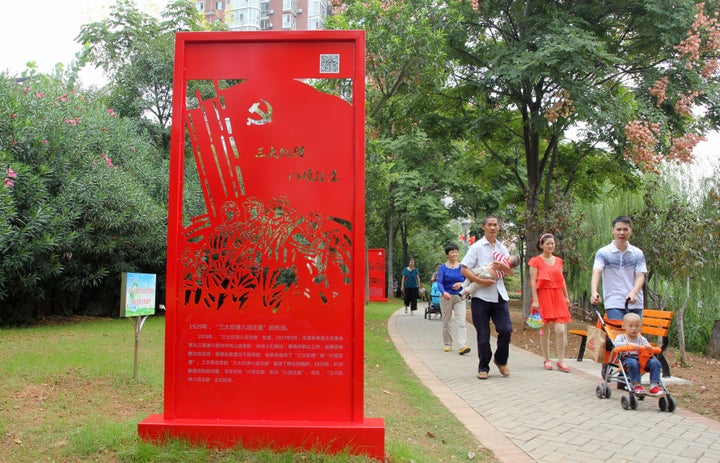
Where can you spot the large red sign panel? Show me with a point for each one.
(265, 284)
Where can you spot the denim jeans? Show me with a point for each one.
(632, 369)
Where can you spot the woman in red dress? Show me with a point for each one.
(550, 297)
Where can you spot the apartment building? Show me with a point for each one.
(266, 15)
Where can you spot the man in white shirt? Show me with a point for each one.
(622, 269)
(489, 302)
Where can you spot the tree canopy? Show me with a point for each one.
(136, 51)
(621, 75)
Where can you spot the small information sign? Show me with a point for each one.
(138, 294)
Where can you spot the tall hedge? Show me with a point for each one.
(84, 199)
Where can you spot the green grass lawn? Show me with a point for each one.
(67, 394)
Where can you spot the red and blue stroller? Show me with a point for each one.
(433, 306)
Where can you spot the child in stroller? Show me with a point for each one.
(632, 355)
(433, 306)
(632, 324)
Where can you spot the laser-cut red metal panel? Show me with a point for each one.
(265, 289)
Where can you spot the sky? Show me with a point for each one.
(45, 33)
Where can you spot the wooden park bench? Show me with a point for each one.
(655, 323)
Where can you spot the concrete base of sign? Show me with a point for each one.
(363, 438)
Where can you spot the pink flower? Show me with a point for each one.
(111, 113)
(11, 175)
(74, 121)
(681, 149)
(659, 89)
(40, 95)
(63, 98)
(45, 142)
(108, 161)
(641, 146)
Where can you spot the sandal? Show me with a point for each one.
(482, 375)
(564, 368)
(547, 365)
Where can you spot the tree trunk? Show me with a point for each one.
(389, 256)
(404, 243)
(532, 234)
(712, 350)
(681, 324)
(525, 291)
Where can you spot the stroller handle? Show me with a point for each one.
(645, 348)
(600, 317)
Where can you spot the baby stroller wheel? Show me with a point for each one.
(602, 391)
(666, 404)
(633, 402)
(628, 403)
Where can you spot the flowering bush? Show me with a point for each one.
(697, 61)
(84, 199)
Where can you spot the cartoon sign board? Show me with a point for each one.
(265, 286)
(138, 294)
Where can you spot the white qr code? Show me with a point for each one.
(329, 64)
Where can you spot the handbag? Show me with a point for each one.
(595, 344)
(535, 320)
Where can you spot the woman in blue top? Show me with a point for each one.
(450, 279)
(410, 286)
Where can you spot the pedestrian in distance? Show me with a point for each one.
(622, 268)
(550, 298)
(489, 302)
(410, 286)
(452, 305)
(434, 276)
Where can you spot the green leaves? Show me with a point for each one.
(88, 200)
(136, 51)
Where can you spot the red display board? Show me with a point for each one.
(377, 277)
(265, 285)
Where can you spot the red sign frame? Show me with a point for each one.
(265, 288)
(377, 275)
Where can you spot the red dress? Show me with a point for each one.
(551, 290)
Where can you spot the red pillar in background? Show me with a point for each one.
(376, 275)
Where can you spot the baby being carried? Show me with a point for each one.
(487, 272)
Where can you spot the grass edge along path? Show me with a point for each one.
(67, 395)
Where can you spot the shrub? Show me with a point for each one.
(84, 199)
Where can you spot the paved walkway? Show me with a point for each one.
(536, 415)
